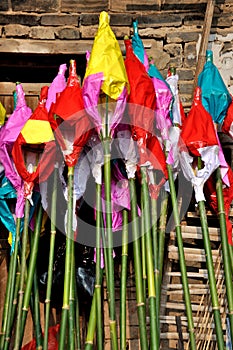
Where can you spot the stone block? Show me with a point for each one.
(173, 49)
(156, 33)
(185, 74)
(160, 20)
(160, 57)
(24, 19)
(134, 5)
(84, 5)
(185, 87)
(190, 55)
(59, 20)
(43, 33)
(68, 33)
(35, 5)
(180, 36)
(16, 30)
(4, 5)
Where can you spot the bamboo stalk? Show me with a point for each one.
(143, 249)
(212, 281)
(72, 329)
(154, 337)
(138, 267)
(225, 249)
(31, 272)
(109, 248)
(183, 269)
(77, 321)
(67, 276)
(95, 317)
(98, 282)
(22, 275)
(91, 325)
(36, 318)
(161, 246)
(11, 286)
(51, 258)
(124, 259)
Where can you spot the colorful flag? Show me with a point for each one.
(215, 96)
(105, 74)
(34, 149)
(227, 126)
(198, 139)
(8, 134)
(74, 125)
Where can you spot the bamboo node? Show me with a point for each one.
(215, 308)
(230, 313)
(221, 212)
(53, 232)
(97, 285)
(112, 322)
(47, 301)
(25, 308)
(89, 342)
(178, 225)
(156, 271)
(124, 254)
(65, 307)
(21, 292)
(140, 304)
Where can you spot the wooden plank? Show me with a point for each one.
(191, 254)
(45, 46)
(32, 89)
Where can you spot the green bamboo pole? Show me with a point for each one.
(143, 249)
(77, 320)
(31, 272)
(154, 231)
(182, 259)
(211, 275)
(67, 276)
(154, 336)
(91, 325)
(51, 258)
(109, 248)
(161, 243)
(16, 292)
(210, 269)
(72, 329)
(138, 267)
(22, 275)
(36, 313)
(231, 257)
(225, 249)
(11, 285)
(123, 288)
(98, 281)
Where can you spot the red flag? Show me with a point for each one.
(198, 130)
(36, 143)
(75, 125)
(227, 126)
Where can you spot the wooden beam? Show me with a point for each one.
(204, 39)
(49, 47)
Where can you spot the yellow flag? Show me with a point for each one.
(37, 131)
(106, 58)
(2, 114)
